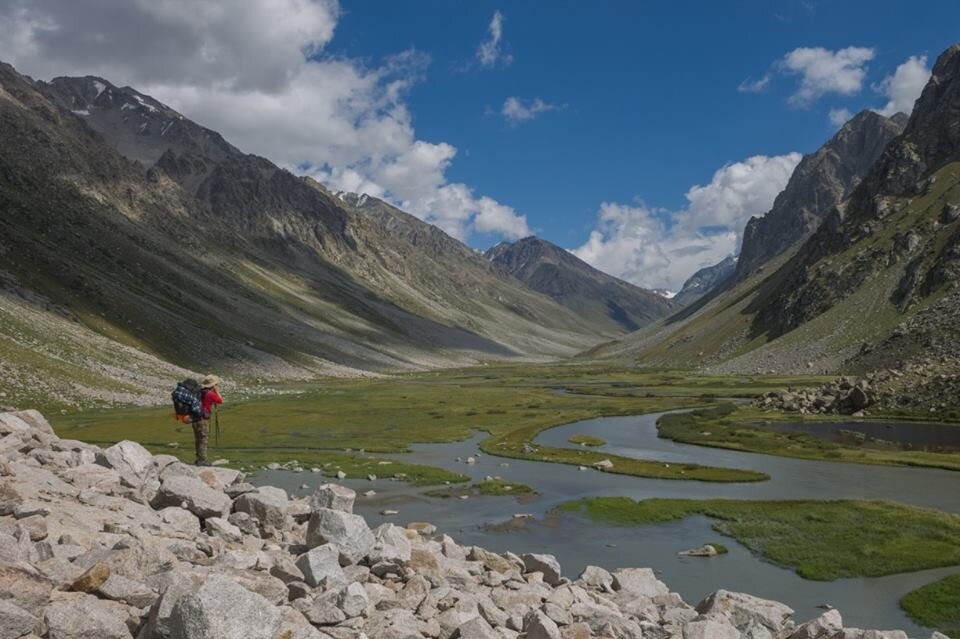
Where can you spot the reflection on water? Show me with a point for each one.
(866, 602)
(918, 436)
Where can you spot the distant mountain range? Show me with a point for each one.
(610, 304)
(136, 245)
(126, 225)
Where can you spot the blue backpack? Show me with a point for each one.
(187, 400)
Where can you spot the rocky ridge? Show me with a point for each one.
(606, 302)
(125, 225)
(118, 543)
(821, 181)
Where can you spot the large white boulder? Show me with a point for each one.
(131, 460)
(826, 625)
(546, 564)
(267, 504)
(221, 609)
(321, 566)
(35, 420)
(353, 600)
(15, 621)
(596, 577)
(13, 423)
(709, 629)
(537, 625)
(638, 582)
(348, 533)
(391, 545)
(334, 497)
(86, 617)
(194, 495)
(742, 610)
(476, 628)
(218, 527)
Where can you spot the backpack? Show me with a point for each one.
(187, 400)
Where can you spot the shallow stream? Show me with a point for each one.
(864, 602)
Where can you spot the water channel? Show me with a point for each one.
(864, 602)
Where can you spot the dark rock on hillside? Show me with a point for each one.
(610, 303)
(821, 181)
(138, 126)
(706, 280)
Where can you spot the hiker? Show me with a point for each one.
(209, 395)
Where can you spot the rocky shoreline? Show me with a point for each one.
(118, 543)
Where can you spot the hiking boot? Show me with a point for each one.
(202, 462)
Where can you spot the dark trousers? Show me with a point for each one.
(201, 437)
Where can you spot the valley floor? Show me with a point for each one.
(338, 424)
(364, 427)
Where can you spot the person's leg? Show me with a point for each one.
(201, 435)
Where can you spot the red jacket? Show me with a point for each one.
(209, 398)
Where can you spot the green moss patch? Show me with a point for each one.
(586, 440)
(821, 540)
(740, 428)
(360, 416)
(490, 487)
(936, 605)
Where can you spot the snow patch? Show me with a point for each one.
(144, 104)
(100, 87)
(662, 292)
(80, 111)
(166, 127)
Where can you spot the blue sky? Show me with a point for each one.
(648, 92)
(643, 135)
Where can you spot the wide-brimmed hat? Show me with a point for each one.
(209, 381)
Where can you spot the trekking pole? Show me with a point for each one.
(216, 421)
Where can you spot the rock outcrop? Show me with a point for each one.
(821, 181)
(132, 546)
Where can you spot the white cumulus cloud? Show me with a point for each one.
(490, 53)
(823, 71)
(755, 86)
(904, 86)
(839, 116)
(516, 110)
(656, 248)
(261, 77)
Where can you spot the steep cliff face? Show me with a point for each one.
(844, 299)
(899, 222)
(821, 181)
(610, 304)
(706, 280)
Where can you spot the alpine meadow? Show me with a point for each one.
(340, 319)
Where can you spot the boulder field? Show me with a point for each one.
(118, 543)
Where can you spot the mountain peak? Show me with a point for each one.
(705, 280)
(821, 181)
(139, 126)
(610, 302)
(81, 94)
